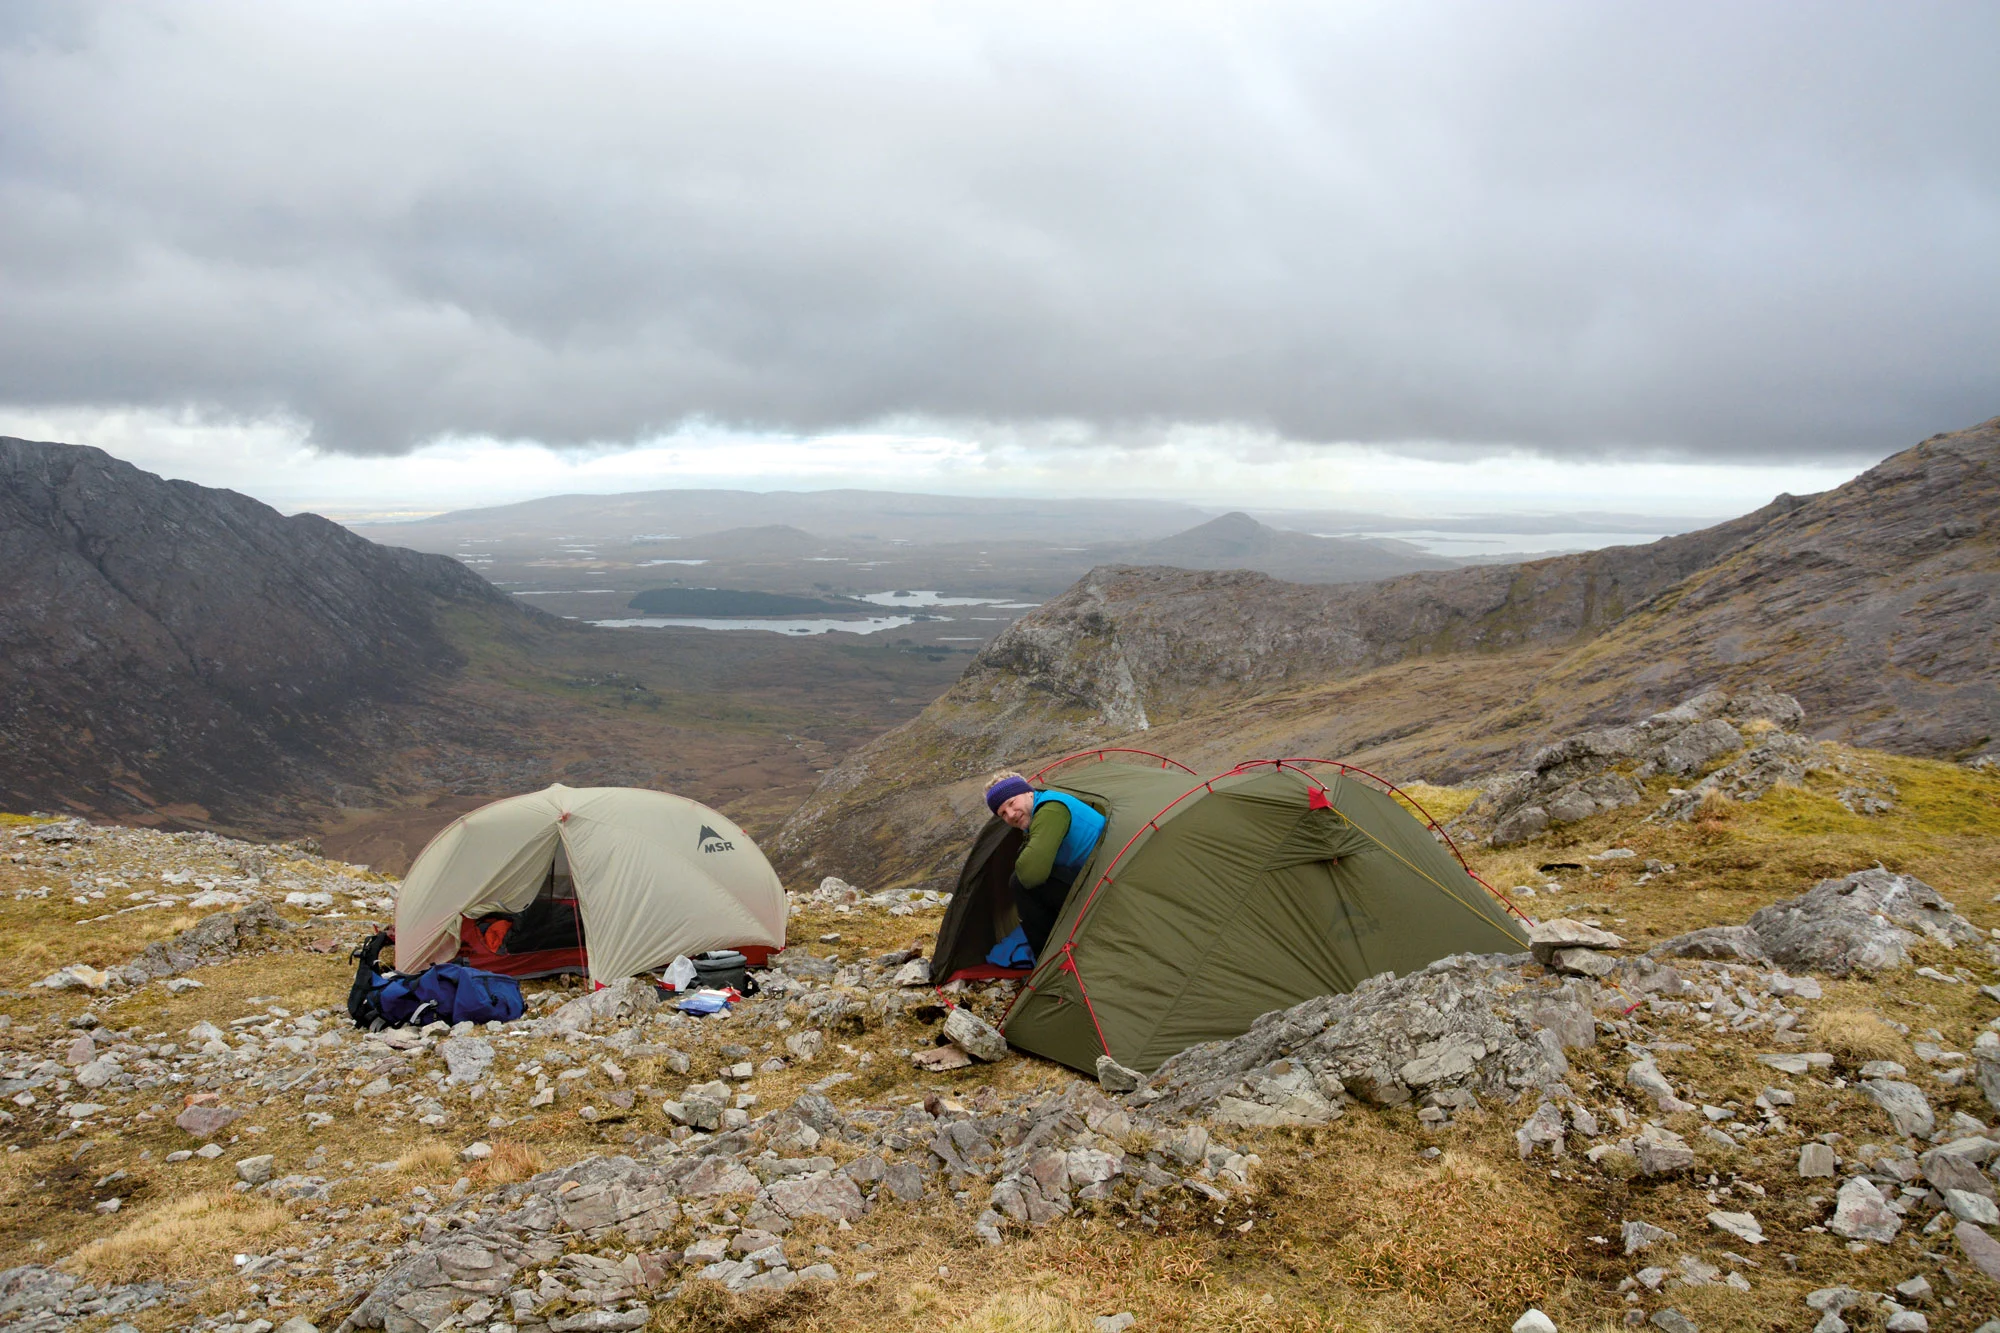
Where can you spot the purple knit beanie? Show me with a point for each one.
(1005, 790)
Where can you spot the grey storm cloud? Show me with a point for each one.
(1724, 231)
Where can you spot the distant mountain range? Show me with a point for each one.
(1877, 604)
(1238, 541)
(893, 516)
(847, 514)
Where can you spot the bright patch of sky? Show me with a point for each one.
(1216, 468)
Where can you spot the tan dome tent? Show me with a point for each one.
(1210, 902)
(646, 875)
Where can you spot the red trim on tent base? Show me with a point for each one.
(473, 952)
(986, 972)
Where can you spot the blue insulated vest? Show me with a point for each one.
(1086, 826)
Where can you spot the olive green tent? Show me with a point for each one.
(1209, 903)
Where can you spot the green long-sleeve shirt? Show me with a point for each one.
(1047, 828)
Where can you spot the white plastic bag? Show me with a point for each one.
(680, 973)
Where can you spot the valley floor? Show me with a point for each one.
(352, 1157)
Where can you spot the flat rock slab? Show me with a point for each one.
(207, 1121)
(1861, 1213)
(1905, 1105)
(1547, 937)
(980, 1038)
(1743, 1226)
(1979, 1248)
(939, 1058)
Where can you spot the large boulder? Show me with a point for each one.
(1467, 1023)
(1863, 922)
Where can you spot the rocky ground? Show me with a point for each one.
(1749, 1079)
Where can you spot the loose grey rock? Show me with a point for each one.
(1917, 1288)
(1948, 1170)
(98, 1072)
(1534, 1321)
(1743, 1226)
(619, 1003)
(1986, 1073)
(1645, 1077)
(206, 1121)
(1969, 1207)
(467, 1058)
(1671, 1320)
(1583, 962)
(254, 1170)
(1114, 1323)
(1905, 1104)
(1114, 1077)
(1861, 1213)
(1546, 937)
(1543, 1128)
(1661, 1152)
(980, 1039)
(1815, 1161)
(1638, 1235)
(1980, 1249)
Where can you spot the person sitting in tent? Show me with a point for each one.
(1061, 832)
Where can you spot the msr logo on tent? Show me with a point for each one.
(711, 841)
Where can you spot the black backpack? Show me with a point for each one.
(363, 997)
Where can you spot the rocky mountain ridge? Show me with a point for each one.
(1875, 604)
(166, 643)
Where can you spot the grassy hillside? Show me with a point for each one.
(1350, 1226)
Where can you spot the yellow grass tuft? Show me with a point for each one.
(1856, 1036)
(428, 1160)
(1443, 804)
(1023, 1312)
(509, 1163)
(191, 1237)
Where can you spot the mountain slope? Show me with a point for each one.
(1874, 603)
(165, 643)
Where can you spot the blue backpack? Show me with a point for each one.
(448, 992)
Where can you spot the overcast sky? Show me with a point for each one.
(378, 255)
